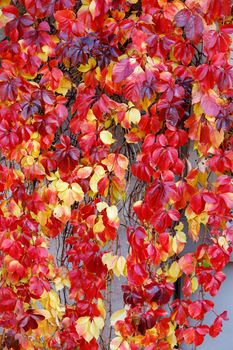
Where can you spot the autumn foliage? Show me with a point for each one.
(113, 108)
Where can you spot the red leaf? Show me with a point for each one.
(216, 327)
(194, 28)
(210, 105)
(65, 19)
(123, 69)
(195, 334)
(136, 273)
(193, 24)
(7, 299)
(197, 309)
(182, 17)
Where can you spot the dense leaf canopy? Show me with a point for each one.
(111, 107)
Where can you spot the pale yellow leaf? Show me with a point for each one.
(101, 308)
(99, 321)
(82, 325)
(133, 115)
(181, 236)
(101, 206)
(106, 137)
(119, 315)
(61, 186)
(109, 260)
(94, 330)
(112, 213)
(120, 268)
(77, 192)
(67, 197)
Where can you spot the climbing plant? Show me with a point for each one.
(116, 120)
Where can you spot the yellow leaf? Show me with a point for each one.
(46, 50)
(88, 336)
(119, 315)
(92, 8)
(116, 343)
(50, 301)
(222, 241)
(133, 115)
(53, 176)
(61, 186)
(54, 300)
(178, 242)
(42, 216)
(203, 218)
(198, 110)
(123, 161)
(67, 197)
(194, 229)
(45, 313)
(89, 66)
(99, 321)
(171, 335)
(64, 86)
(175, 245)
(83, 320)
(109, 260)
(91, 117)
(77, 192)
(28, 160)
(4, 3)
(94, 330)
(14, 208)
(83, 328)
(120, 267)
(174, 271)
(179, 227)
(35, 152)
(194, 283)
(101, 308)
(101, 206)
(62, 279)
(106, 137)
(112, 213)
(99, 226)
(181, 236)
